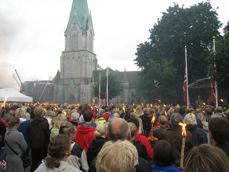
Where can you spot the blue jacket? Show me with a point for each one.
(171, 168)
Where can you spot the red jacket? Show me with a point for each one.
(144, 140)
(84, 136)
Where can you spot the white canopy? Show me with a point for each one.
(13, 95)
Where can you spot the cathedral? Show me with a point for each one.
(74, 81)
(78, 63)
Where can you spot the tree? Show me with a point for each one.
(193, 27)
(222, 62)
(114, 85)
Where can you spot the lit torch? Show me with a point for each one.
(124, 110)
(183, 134)
(5, 100)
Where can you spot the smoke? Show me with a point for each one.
(6, 75)
(8, 31)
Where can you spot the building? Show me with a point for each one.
(74, 82)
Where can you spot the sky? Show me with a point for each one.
(32, 33)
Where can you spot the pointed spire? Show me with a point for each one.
(81, 12)
(125, 78)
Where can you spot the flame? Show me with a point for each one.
(183, 132)
(124, 110)
(153, 119)
(5, 100)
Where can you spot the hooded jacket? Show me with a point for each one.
(144, 140)
(84, 136)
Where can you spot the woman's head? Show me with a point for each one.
(206, 158)
(39, 112)
(133, 130)
(68, 129)
(118, 156)
(59, 148)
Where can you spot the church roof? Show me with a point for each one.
(130, 77)
(81, 12)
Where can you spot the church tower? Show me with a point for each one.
(78, 60)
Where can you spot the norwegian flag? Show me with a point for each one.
(212, 93)
(185, 89)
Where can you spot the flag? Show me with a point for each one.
(212, 93)
(185, 89)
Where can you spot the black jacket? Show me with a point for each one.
(94, 148)
(39, 133)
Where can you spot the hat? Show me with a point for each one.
(106, 115)
(190, 118)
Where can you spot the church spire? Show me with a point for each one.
(81, 12)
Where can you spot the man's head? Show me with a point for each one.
(118, 129)
(219, 129)
(87, 116)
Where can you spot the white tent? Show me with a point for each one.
(13, 95)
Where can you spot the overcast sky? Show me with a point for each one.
(32, 33)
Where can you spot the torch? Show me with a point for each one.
(4, 103)
(183, 134)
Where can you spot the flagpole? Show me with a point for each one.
(99, 88)
(216, 88)
(107, 88)
(186, 73)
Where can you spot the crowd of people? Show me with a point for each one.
(115, 138)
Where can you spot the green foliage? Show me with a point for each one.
(113, 84)
(222, 64)
(162, 57)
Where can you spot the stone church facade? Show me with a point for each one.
(74, 82)
(78, 60)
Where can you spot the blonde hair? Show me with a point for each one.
(118, 156)
(39, 111)
(56, 122)
(206, 158)
(20, 113)
(100, 130)
(133, 129)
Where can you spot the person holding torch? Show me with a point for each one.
(174, 136)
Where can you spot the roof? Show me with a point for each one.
(81, 12)
(12, 95)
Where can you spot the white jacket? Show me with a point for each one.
(64, 166)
